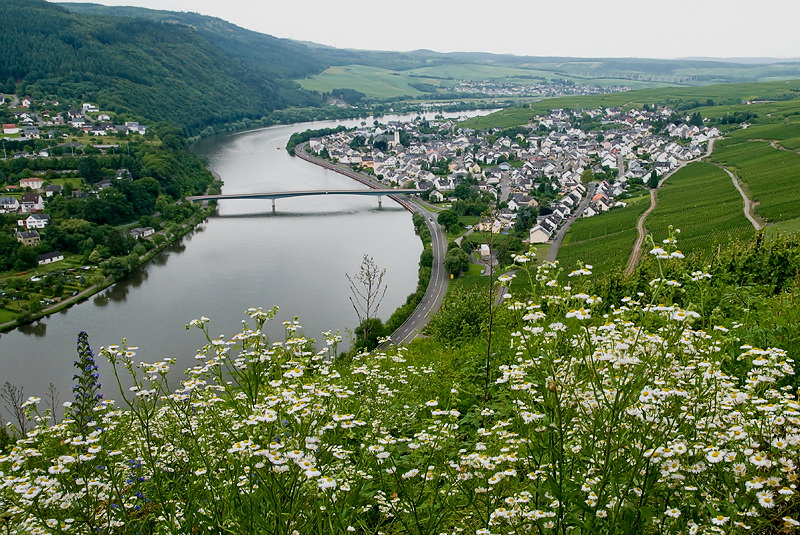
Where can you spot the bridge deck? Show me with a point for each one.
(284, 194)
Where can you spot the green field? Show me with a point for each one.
(379, 83)
(699, 199)
(605, 240)
(770, 176)
(372, 81)
(732, 95)
(75, 182)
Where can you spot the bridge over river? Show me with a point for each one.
(284, 194)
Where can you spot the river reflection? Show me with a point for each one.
(37, 329)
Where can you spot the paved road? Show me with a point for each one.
(560, 233)
(437, 287)
(505, 186)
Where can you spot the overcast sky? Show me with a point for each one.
(582, 28)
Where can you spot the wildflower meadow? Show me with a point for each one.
(598, 417)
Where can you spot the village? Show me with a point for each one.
(546, 167)
(28, 196)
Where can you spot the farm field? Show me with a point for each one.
(605, 240)
(770, 176)
(785, 133)
(699, 199)
(376, 82)
(372, 81)
(731, 95)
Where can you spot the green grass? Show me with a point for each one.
(791, 144)
(790, 226)
(605, 240)
(372, 81)
(699, 199)
(74, 181)
(770, 176)
(7, 315)
(472, 280)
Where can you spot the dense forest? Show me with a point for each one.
(161, 72)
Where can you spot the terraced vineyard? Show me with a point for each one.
(701, 200)
(770, 176)
(785, 134)
(605, 240)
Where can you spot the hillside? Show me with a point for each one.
(162, 72)
(198, 71)
(657, 414)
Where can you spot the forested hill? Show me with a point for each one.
(271, 56)
(162, 72)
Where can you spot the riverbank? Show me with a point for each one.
(170, 239)
(410, 319)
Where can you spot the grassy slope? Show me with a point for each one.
(605, 240)
(701, 200)
(372, 81)
(771, 176)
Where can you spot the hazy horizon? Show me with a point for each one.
(569, 28)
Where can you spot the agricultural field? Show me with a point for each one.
(699, 199)
(379, 83)
(728, 98)
(783, 128)
(770, 176)
(372, 81)
(605, 240)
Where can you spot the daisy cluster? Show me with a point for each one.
(625, 420)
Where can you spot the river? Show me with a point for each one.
(244, 255)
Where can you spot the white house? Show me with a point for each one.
(9, 204)
(32, 183)
(139, 232)
(34, 221)
(32, 202)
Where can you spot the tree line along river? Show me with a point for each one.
(245, 255)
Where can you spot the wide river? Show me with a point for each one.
(244, 255)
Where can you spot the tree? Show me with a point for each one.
(587, 176)
(90, 169)
(652, 182)
(367, 289)
(369, 333)
(526, 216)
(426, 258)
(449, 220)
(456, 261)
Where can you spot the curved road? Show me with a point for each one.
(636, 252)
(748, 204)
(437, 287)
